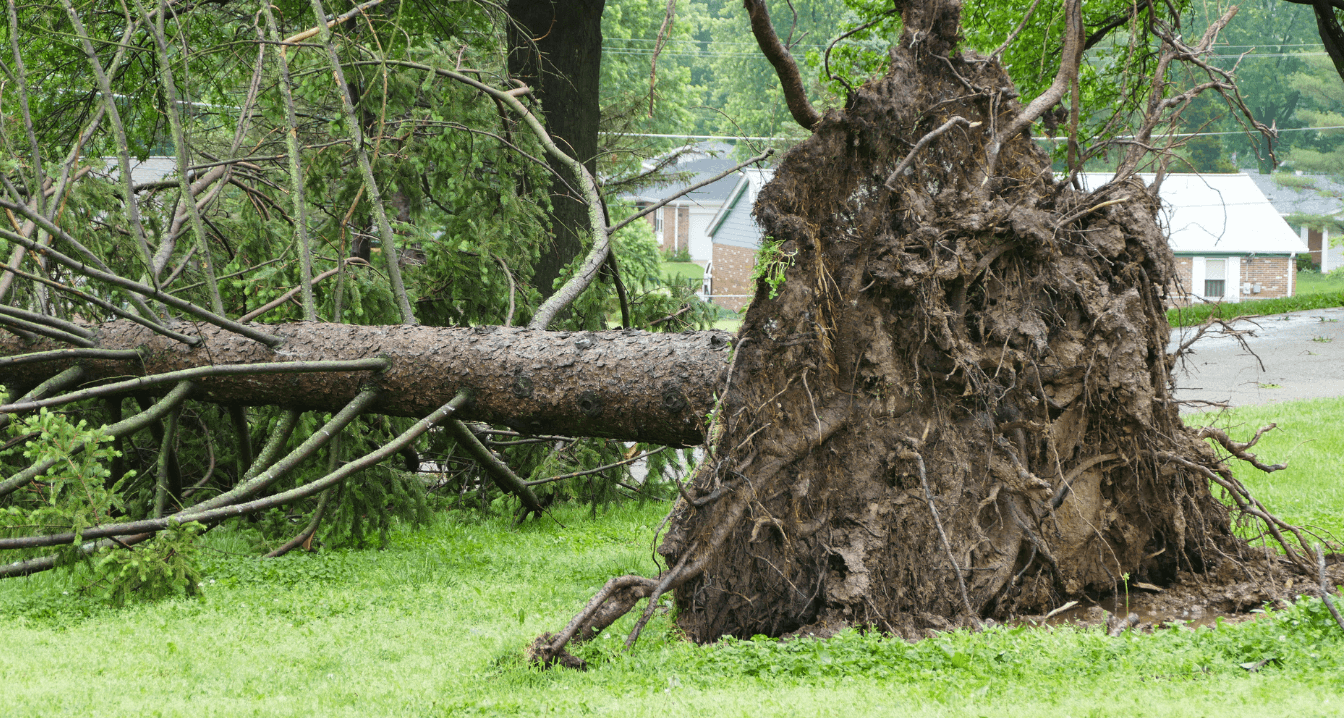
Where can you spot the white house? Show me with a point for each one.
(1229, 240)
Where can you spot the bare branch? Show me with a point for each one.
(129, 385)
(1071, 58)
(138, 288)
(307, 288)
(922, 143)
(1239, 449)
(388, 237)
(790, 80)
(1026, 17)
(496, 469)
(298, 38)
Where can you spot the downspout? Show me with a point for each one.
(1292, 273)
(676, 227)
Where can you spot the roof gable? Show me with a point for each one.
(1216, 214)
(733, 224)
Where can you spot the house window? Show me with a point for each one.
(658, 223)
(1215, 276)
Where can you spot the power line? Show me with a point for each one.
(698, 137)
(752, 44)
(1273, 54)
(1043, 139)
(711, 54)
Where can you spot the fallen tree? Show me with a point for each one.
(950, 399)
(626, 385)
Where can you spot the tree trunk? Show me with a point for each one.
(626, 385)
(959, 404)
(556, 48)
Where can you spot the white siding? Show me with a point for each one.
(1332, 257)
(1199, 271)
(701, 246)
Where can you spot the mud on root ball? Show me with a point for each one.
(958, 404)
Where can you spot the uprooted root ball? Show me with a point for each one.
(959, 403)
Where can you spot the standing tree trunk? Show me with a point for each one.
(556, 48)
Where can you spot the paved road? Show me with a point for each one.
(1302, 354)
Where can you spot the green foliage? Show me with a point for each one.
(1322, 96)
(1269, 43)
(677, 255)
(771, 264)
(374, 500)
(166, 565)
(74, 493)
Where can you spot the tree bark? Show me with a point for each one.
(627, 385)
(556, 48)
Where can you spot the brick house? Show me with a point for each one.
(683, 223)
(735, 238)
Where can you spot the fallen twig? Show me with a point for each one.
(594, 471)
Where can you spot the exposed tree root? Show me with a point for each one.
(959, 405)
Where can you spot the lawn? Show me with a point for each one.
(1316, 283)
(435, 626)
(683, 270)
(1308, 438)
(730, 323)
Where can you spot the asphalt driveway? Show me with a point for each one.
(1302, 355)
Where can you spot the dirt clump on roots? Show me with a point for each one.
(950, 400)
(958, 404)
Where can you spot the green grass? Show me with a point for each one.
(729, 323)
(435, 626)
(683, 270)
(1311, 490)
(1195, 314)
(1316, 283)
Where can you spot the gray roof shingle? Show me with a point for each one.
(1289, 200)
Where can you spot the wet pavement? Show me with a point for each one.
(1287, 357)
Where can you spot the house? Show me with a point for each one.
(682, 224)
(154, 168)
(1230, 243)
(734, 238)
(1297, 197)
(1229, 240)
